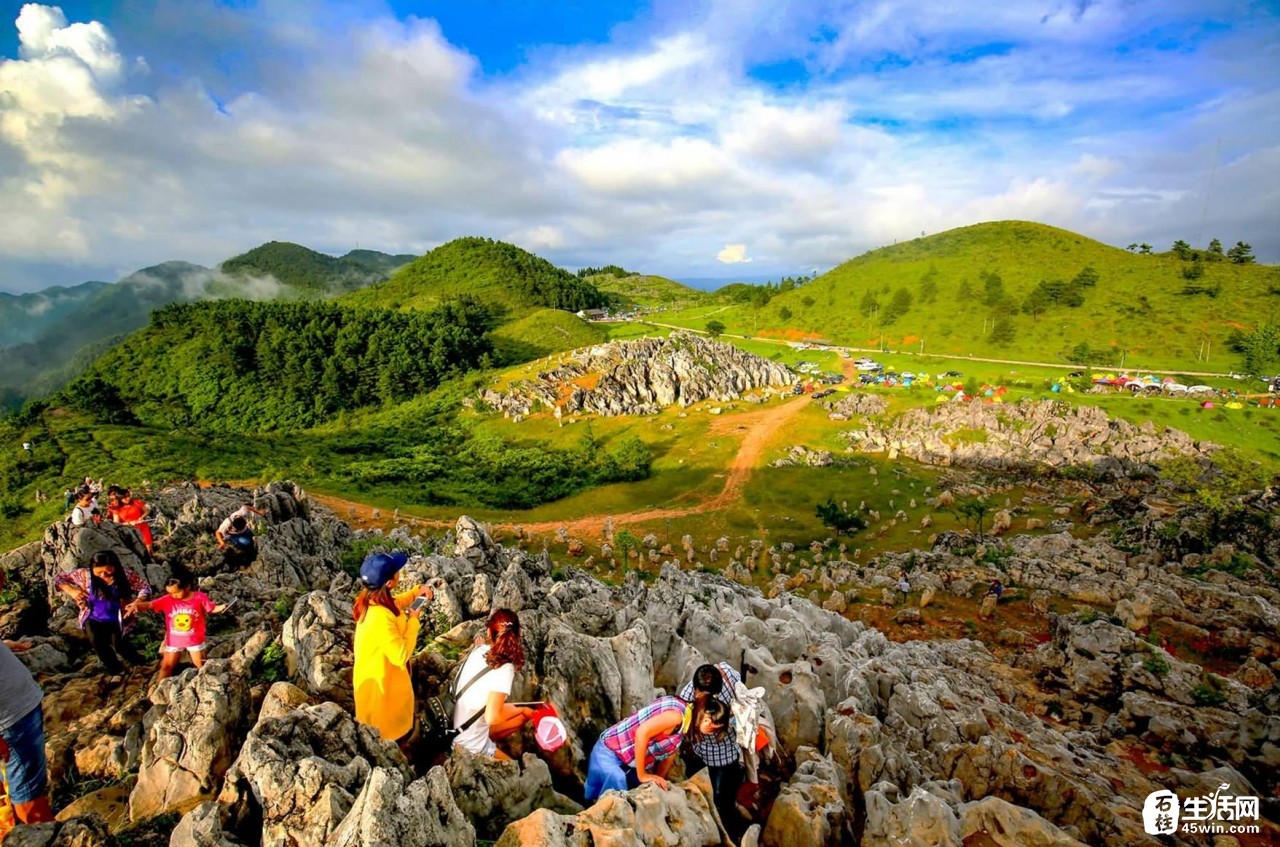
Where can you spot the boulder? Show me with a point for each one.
(493, 793)
(648, 816)
(318, 640)
(812, 810)
(192, 734)
(86, 831)
(202, 827)
(298, 774)
(391, 811)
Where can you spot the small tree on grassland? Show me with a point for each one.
(838, 518)
(715, 328)
(1241, 254)
(973, 514)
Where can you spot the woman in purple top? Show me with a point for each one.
(658, 729)
(103, 590)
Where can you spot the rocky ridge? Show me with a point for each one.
(884, 743)
(642, 377)
(1027, 434)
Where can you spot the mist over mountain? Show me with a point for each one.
(49, 336)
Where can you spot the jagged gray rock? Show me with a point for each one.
(642, 377)
(86, 831)
(1026, 434)
(389, 813)
(493, 793)
(318, 643)
(682, 815)
(192, 733)
(299, 773)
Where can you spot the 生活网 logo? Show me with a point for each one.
(1164, 813)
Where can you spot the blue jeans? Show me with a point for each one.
(26, 771)
(605, 771)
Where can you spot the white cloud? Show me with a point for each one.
(643, 151)
(733, 254)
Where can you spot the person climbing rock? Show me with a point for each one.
(386, 633)
(103, 591)
(235, 536)
(658, 730)
(184, 609)
(482, 714)
(22, 738)
(124, 508)
(720, 753)
(86, 509)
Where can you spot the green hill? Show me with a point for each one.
(500, 276)
(1022, 290)
(542, 333)
(312, 274)
(645, 290)
(239, 366)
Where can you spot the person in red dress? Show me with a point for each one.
(124, 508)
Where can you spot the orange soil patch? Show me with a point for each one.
(788, 334)
(1142, 761)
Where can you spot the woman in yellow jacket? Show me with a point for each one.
(386, 632)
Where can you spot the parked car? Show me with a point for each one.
(1075, 374)
(952, 374)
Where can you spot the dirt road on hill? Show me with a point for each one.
(757, 427)
(953, 356)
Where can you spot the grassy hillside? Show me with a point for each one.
(501, 276)
(645, 290)
(938, 293)
(308, 273)
(237, 366)
(542, 333)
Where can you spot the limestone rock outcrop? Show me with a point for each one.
(643, 377)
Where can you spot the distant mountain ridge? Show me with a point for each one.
(43, 350)
(307, 273)
(23, 317)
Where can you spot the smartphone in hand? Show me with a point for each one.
(418, 603)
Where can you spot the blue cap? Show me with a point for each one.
(378, 568)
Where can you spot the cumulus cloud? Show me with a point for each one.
(641, 151)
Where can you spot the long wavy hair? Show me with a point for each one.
(98, 588)
(374, 597)
(712, 707)
(504, 640)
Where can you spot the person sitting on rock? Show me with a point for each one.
(720, 753)
(184, 609)
(386, 634)
(658, 730)
(86, 509)
(103, 591)
(235, 537)
(124, 508)
(482, 714)
(22, 738)
(995, 590)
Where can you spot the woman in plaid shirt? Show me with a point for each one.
(659, 729)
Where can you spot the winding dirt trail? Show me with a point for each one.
(759, 426)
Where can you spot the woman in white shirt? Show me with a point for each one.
(482, 714)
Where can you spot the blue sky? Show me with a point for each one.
(694, 139)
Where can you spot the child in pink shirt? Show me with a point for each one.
(185, 610)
